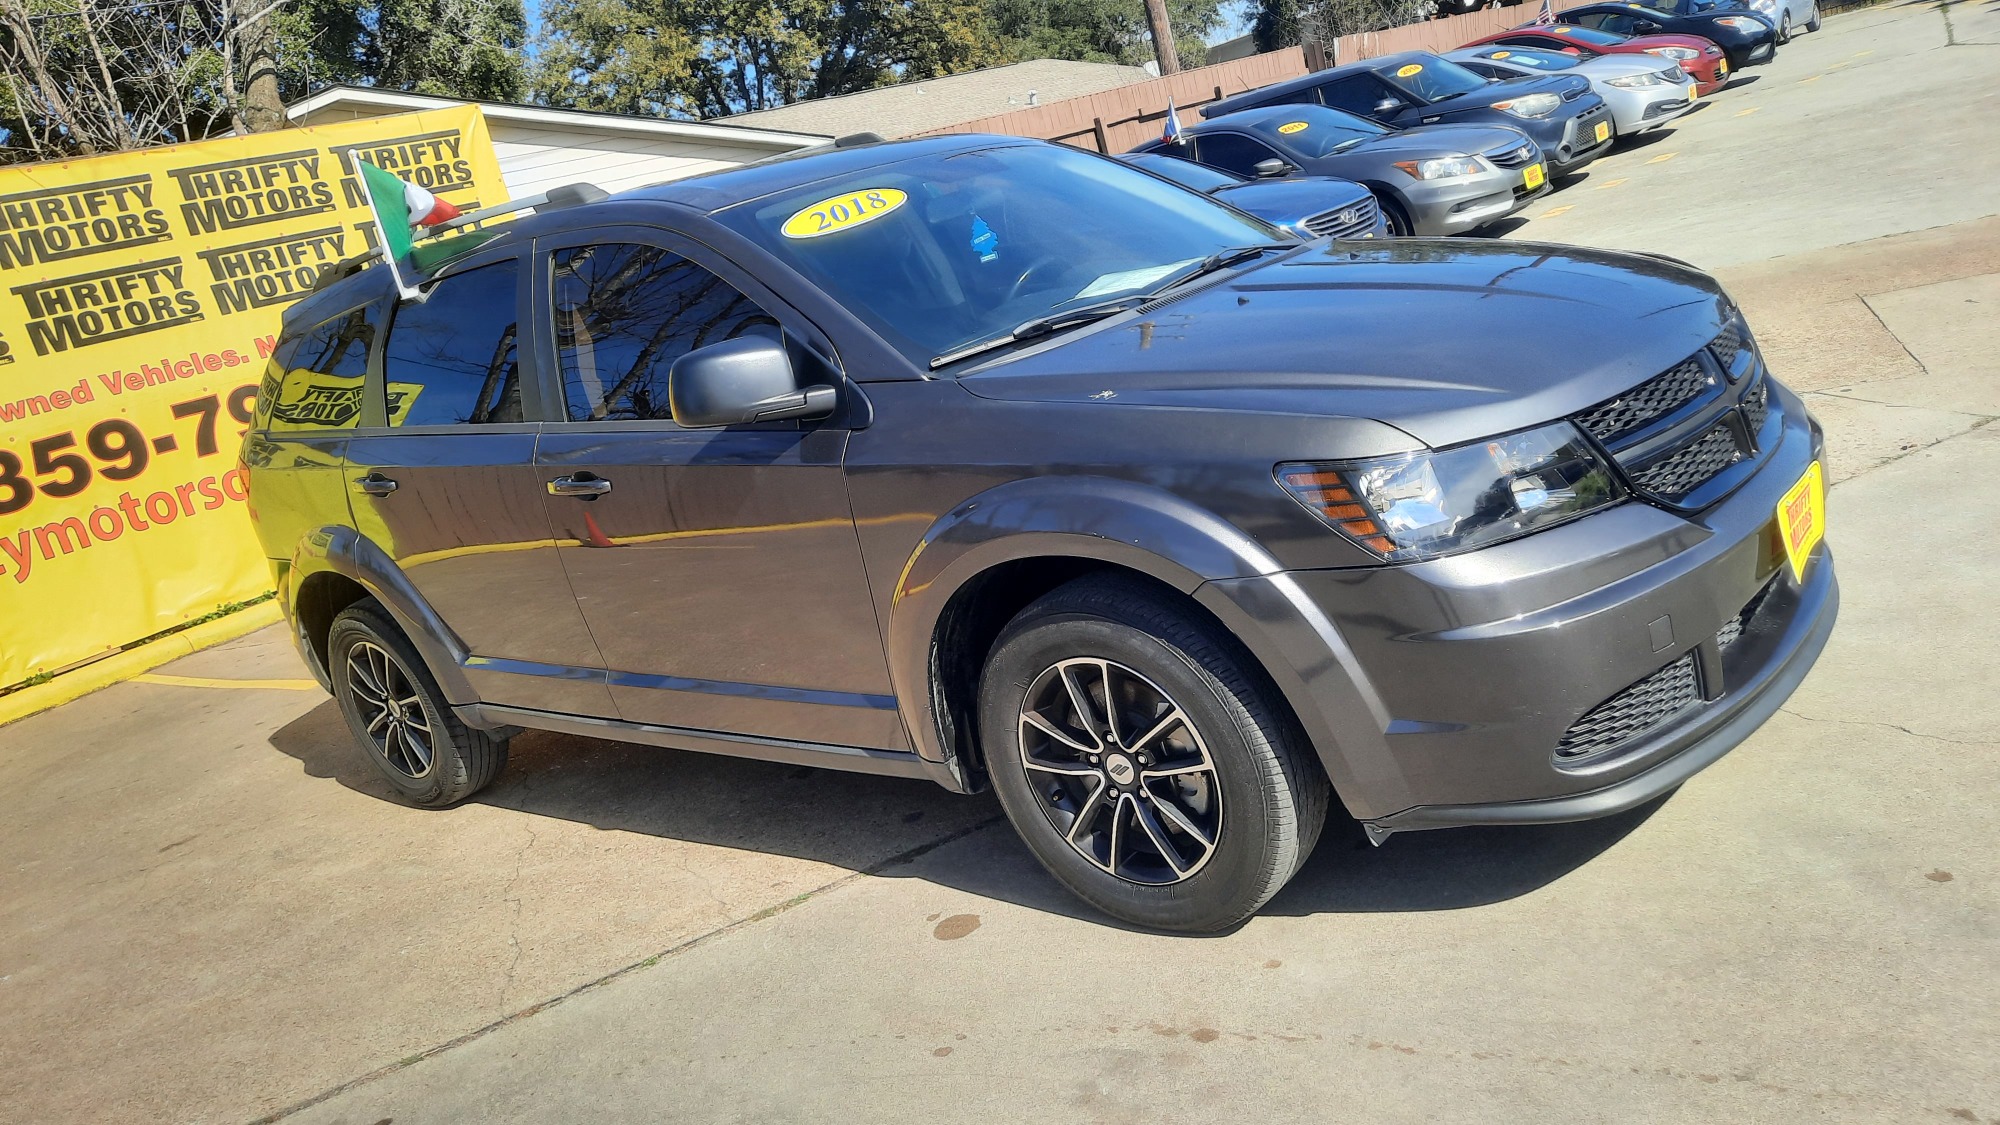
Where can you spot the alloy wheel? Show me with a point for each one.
(393, 712)
(1120, 771)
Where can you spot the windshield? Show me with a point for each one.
(1590, 35)
(936, 252)
(1185, 172)
(1530, 56)
(1432, 79)
(1314, 131)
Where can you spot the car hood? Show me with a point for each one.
(1437, 140)
(1446, 340)
(1507, 88)
(1289, 200)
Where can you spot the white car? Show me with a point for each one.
(1642, 91)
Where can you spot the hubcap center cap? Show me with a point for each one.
(1120, 769)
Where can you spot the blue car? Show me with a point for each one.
(1308, 206)
(1572, 124)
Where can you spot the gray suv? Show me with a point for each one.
(1003, 464)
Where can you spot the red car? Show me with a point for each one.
(1701, 58)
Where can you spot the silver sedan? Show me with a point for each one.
(1644, 92)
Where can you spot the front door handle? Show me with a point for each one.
(585, 485)
(374, 484)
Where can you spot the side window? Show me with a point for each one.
(453, 358)
(315, 384)
(1357, 94)
(1483, 70)
(624, 313)
(1234, 152)
(1600, 20)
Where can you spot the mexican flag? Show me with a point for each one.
(400, 206)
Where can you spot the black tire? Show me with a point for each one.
(363, 645)
(1397, 218)
(1785, 30)
(1813, 21)
(1265, 789)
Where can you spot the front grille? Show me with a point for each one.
(1728, 345)
(1732, 630)
(1661, 109)
(1678, 473)
(1348, 222)
(1517, 157)
(1660, 395)
(1586, 127)
(1642, 707)
(1756, 406)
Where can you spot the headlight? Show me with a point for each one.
(1423, 505)
(1635, 81)
(1534, 105)
(1743, 23)
(1680, 53)
(1442, 167)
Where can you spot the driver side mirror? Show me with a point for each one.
(1268, 169)
(748, 379)
(1388, 105)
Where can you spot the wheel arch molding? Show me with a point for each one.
(329, 564)
(1012, 543)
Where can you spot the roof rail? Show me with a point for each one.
(554, 199)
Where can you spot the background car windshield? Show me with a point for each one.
(937, 252)
(1433, 79)
(1591, 36)
(1187, 173)
(1325, 129)
(1531, 56)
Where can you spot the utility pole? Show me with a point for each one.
(1163, 37)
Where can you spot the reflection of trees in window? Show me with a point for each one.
(456, 352)
(625, 313)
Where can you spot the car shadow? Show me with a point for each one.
(1633, 143)
(1737, 82)
(857, 822)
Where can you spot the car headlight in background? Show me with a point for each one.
(1679, 53)
(1768, 7)
(1638, 81)
(1442, 167)
(1744, 24)
(1423, 505)
(1534, 105)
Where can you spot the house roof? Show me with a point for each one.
(335, 101)
(933, 103)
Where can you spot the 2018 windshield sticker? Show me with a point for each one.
(843, 212)
(1501, 54)
(1291, 127)
(985, 243)
(1412, 69)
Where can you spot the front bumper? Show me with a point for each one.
(1647, 107)
(1437, 693)
(1464, 203)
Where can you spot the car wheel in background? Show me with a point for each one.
(1143, 761)
(1785, 29)
(1812, 21)
(1398, 219)
(399, 716)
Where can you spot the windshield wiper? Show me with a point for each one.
(1039, 327)
(1221, 260)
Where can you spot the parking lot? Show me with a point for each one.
(210, 910)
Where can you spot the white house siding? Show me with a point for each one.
(534, 159)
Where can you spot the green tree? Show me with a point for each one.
(711, 57)
(1100, 30)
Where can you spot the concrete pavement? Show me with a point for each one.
(209, 911)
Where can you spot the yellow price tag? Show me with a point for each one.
(1292, 127)
(1413, 68)
(1802, 517)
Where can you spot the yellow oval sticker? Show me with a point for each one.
(1413, 68)
(1560, 30)
(1292, 127)
(1499, 54)
(843, 212)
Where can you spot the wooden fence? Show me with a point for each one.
(1120, 119)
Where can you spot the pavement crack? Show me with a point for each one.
(1870, 306)
(1885, 726)
(1984, 421)
(513, 901)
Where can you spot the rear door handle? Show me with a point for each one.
(374, 484)
(582, 484)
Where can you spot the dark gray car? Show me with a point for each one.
(1000, 463)
(1431, 179)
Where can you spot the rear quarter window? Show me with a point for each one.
(314, 381)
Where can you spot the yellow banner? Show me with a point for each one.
(140, 296)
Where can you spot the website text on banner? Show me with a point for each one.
(139, 297)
